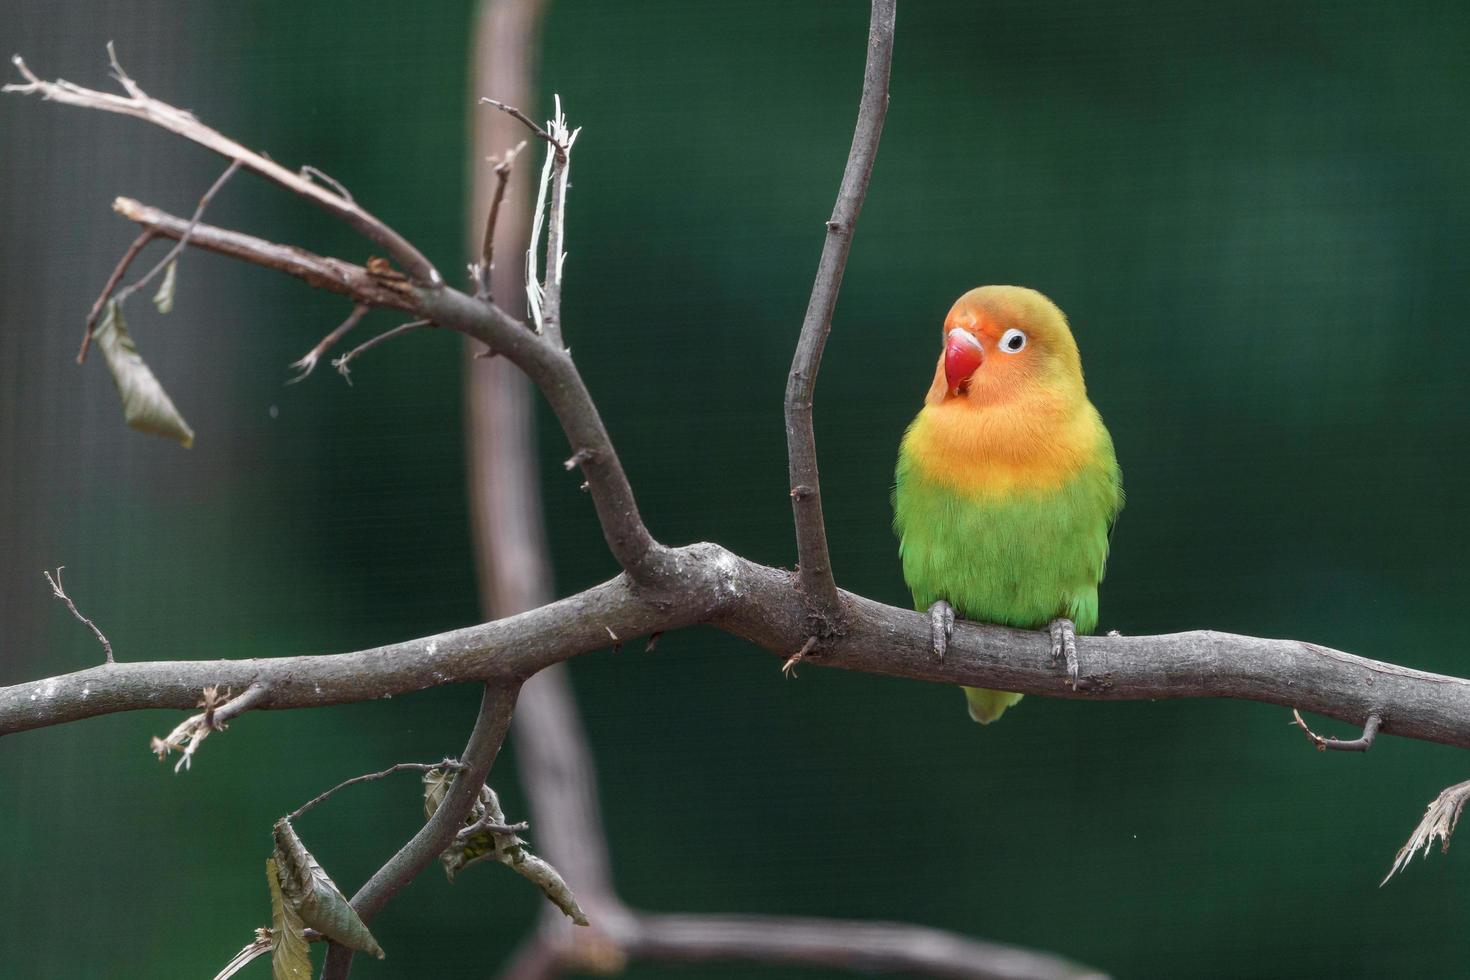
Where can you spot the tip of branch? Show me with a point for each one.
(303, 367)
(520, 117)
(32, 82)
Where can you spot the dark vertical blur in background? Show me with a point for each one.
(1256, 215)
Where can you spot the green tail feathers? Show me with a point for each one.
(986, 706)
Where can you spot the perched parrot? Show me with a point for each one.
(1007, 485)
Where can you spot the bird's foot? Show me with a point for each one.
(1064, 645)
(941, 627)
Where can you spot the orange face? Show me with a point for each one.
(1001, 342)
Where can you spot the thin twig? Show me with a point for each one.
(1360, 744)
(486, 824)
(308, 361)
(522, 118)
(61, 594)
(307, 170)
(120, 270)
(486, 265)
(814, 560)
(142, 106)
(789, 667)
(183, 241)
(340, 363)
(450, 764)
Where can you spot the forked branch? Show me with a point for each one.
(140, 105)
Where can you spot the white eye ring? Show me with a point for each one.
(1013, 341)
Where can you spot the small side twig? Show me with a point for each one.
(192, 731)
(61, 594)
(183, 241)
(308, 361)
(482, 269)
(789, 667)
(487, 825)
(522, 118)
(1361, 744)
(183, 123)
(307, 170)
(118, 272)
(450, 764)
(340, 363)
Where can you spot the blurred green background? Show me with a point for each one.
(1256, 216)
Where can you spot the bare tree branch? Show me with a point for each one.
(340, 363)
(549, 367)
(60, 593)
(334, 275)
(815, 563)
(521, 118)
(1360, 744)
(439, 831)
(182, 123)
(308, 361)
(707, 584)
(482, 270)
(866, 947)
(183, 241)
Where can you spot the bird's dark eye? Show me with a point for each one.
(1013, 341)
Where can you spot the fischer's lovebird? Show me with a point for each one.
(1007, 485)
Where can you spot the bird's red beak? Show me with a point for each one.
(962, 356)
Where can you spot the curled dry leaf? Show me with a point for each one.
(146, 406)
(164, 298)
(315, 897)
(506, 848)
(290, 957)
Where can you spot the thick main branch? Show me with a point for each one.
(708, 584)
